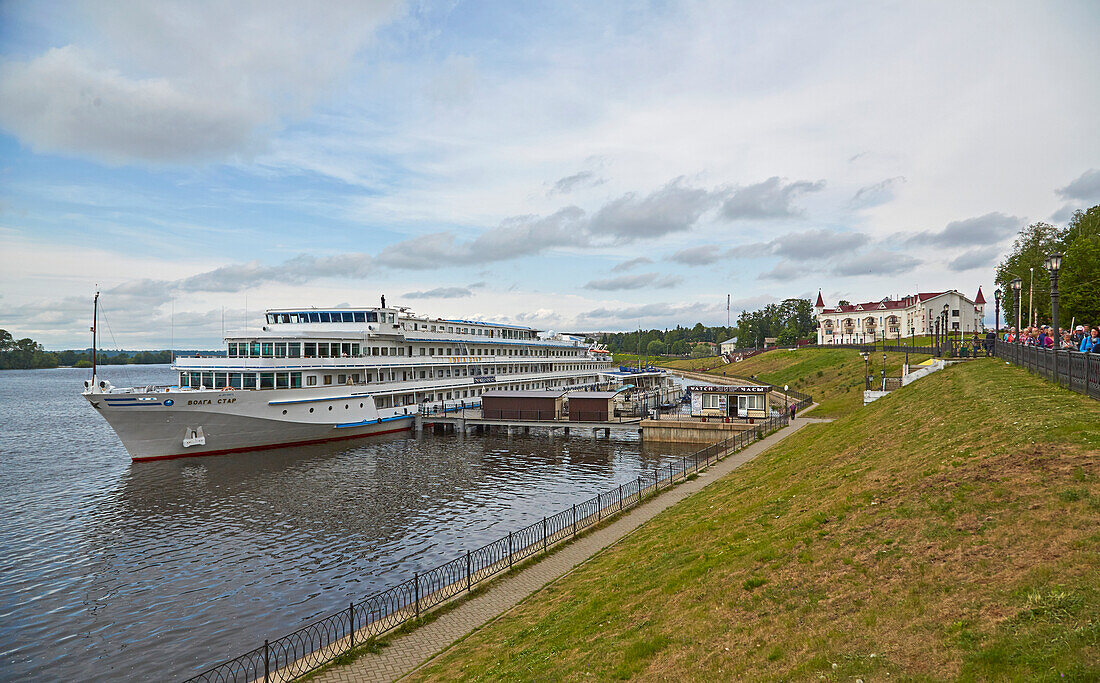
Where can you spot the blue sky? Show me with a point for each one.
(584, 166)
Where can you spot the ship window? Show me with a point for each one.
(372, 317)
(355, 350)
(280, 349)
(282, 380)
(360, 317)
(232, 350)
(391, 317)
(345, 350)
(341, 379)
(385, 351)
(248, 380)
(431, 351)
(185, 379)
(310, 350)
(220, 380)
(255, 349)
(235, 380)
(267, 349)
(284, 317)
(322, 350)
(208, 380)
(270, 318)
(328, 379)
(355, 378)
(293, 350)
(267, 380)
(312, 317)
(325, 317)
(311, 380)
(293, 317)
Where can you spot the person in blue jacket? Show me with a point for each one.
(1091, 342)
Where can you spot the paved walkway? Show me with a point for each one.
(407, 653)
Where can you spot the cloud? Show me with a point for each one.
(874, 195)
(806, 245)
(441, 293)
(627, 265)
(569, 183)
(982, 257)
(784, 270)
(992, 228)
(215, 78)
(513, 238)
(673, 208)
(701, 255)
(638, 281)
(1063, 214)
(875, 262)
(1086, 187)
(770, 199)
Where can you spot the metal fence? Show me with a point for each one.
(1073, 370)
(321, 641)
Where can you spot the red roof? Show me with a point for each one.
(885, 305)
(820, 302)
(979, 299)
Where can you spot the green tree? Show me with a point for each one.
(655, 348)
(1025, 261)
(1079, 281)
(680, 348)
(701, 351)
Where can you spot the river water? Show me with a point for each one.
(113, 570)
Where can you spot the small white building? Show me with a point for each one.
(913, 315)
(728, 346)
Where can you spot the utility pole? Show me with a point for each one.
(1031, 298)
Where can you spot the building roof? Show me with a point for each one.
(820, 302)
(534, 393)
(595, 394)
(979, 299)
(887, 304)
(732, 340)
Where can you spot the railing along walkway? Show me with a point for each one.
(1073, 370)
(317, 643)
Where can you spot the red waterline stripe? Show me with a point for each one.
(269, 446)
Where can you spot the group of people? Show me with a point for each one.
(1082, 338)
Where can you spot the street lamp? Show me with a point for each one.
(1054, 264)
(946, 308)
(866, 369)
(884, 368)
(997, 294)
(1017, 284)
(786, 403)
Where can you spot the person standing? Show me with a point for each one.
(792, 411)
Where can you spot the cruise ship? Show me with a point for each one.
(311, 375)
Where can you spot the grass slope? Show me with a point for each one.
(834, 377)
(948, 531)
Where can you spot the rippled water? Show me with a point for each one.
(112, 570)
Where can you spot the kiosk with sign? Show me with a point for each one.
(728, 401)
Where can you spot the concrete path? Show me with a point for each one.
(407, 653)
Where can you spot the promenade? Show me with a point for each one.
(406, 653)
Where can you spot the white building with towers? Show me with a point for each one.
(909, 316)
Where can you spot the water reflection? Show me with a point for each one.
(119, 570)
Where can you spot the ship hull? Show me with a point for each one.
(196, 424)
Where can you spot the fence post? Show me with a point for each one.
(267, 661)
(416, 590)
(599, 507)
(574, 520)
(543, 534)
(639, 489)
(468, 582)
(351, 622)
(620, 496)
(655, 480)
(670, 474)
(509, 549)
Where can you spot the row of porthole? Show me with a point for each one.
(346, 407)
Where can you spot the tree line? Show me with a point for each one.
(1078, 280)
(787, 321)
(27, 354)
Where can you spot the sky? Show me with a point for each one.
(568, 166)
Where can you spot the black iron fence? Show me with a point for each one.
(1073, 370)
(321, 641)
(933, 350)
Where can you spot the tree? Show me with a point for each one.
(1029, 251)
(680, 348)
(701, 350)
(655, 348)
(1080, 275)
(6, 342)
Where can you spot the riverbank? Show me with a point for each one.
(948, 530)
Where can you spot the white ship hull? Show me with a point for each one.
(173, 424)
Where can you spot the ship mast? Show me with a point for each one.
(95, 321)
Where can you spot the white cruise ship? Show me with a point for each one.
(312, 375)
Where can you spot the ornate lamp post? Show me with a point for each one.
(1017, 284)
(1054, 264)
(866, 369)
(884, 368)
(997, 294)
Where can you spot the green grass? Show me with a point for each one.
(928, 536)
(834, 377)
